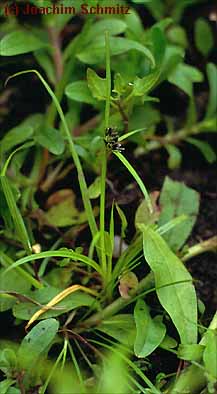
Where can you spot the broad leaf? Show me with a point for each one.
(94, 189)
(97, 85)
(5, 384)
(210, 353)
(184, 76)
(120, 327)
(36, 343)
(177, 199)
(149, 332)
(80, 92)
(20, 133)
(25, 311)
(204, 39)
(95, 53)
(11, 281)
(113, 25)
(142, 86)
(173, 283)
(63, 211)
(18, 42)
(51, 139)
(192, 352)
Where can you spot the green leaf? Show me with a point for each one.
(13, 390)
(168, 343)
(12, 281)
(97, 85)
(143, 215)
(80, 92)
(19, 41)
(212, 78)
(149, 332)
(173, 56)
(51, 139)
(156, 7)
(134, 24)
(192, 352)
(184, 76)
(142, 86)
(120, 327)
(95, 52)
(177, 199)
(173, 283)
(15, 213)
(123, 218)
(20, 133)
(159, 44)
(113, 25)
(205, 149)
(177, 35)
(5, 384)
(25, 311)
(64, 252)
(175, 156)
(94, 189)
(203, 36)
(65, 213)
(36, 343)
(136, 177)
(210, 353)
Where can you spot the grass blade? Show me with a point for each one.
(57, 253)
(15, 214)
(136, 177)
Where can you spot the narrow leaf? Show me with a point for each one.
(136, 177)
(15, 214)
(59, 297)
(205, 149)
(212, 103)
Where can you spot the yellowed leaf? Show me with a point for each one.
(59, 297)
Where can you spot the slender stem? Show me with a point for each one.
(75, 157)
(44, 387)
(145, 284)
(104, 164)
(204, 246)
(57, 53)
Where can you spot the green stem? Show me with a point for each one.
(75, 157)
(44, 387)
(145, 284)
(104, 164)
(204, 246)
